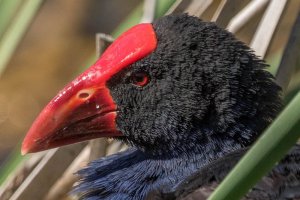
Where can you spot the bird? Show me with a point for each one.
(186, 96)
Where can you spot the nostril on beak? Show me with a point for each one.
(83, 95)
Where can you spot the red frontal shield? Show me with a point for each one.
(84, 109)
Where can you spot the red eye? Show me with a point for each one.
(140, 79)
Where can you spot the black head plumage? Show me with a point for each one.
(205, 88)
(206, 94)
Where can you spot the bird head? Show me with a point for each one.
(160, 86)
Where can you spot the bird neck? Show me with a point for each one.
(201, 141)
(167, 164)
(102, 177)
(164, 169)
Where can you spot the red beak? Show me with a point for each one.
(84, 109)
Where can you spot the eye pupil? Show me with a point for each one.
(140, 79)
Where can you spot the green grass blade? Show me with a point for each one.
(14, 160)
(7, 10)
(162, 7)
(271, 147)
(14, 34)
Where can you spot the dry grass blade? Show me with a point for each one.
(148, 11)
(224, 12)
(20, 174)
(102, 42)
(267, 26)
(193, 7)
(98, 148)
(47, 172)
(197, 7)
(246, 14)
(64, 184)
(114, 147)
(178, 6)
(290, 56)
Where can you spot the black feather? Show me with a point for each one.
(208, 96)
